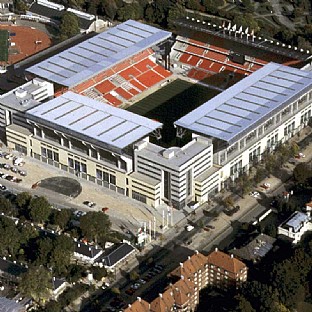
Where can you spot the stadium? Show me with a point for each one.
(104, 124)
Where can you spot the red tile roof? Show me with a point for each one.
(225, 261)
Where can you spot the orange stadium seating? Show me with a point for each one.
(113, 100)
(129, 73)
(105, 86)
(149, 78)
(137, 84)
(122, 92)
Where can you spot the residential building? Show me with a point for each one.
(256, 249)
(139, 305)
(9, 305)
(87, 253)
(115, 255)
(224, 270)
(194, 269)
(295, 226)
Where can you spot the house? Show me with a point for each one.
(59, 285)
(224, 270)
(8, 305)
(256, 249)
(87, 253)
(114, 255)
(295, 226)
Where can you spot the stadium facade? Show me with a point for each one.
(111, 147)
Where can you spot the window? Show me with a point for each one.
(48, 153)
(139, 197)
(77, 165)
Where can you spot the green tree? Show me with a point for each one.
(61, 253)
(175, 12)
(23, 199)
(61, 217)
(98, 273)
(40, 209)
(43, 251)
(130, 11)
(133, 275)
(69, 26)
(10, 236)
(5, 206)
(96, 226)
(301, 173)
(260, 175)
(36, 283)
(228, 202)
(243, 305)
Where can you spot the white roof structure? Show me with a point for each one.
(93, 121)
(297, 220)
(250, 102)
(86, 59)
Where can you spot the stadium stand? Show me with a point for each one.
(203, 57)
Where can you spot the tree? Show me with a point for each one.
(61, 217)
(130, 11)
(98, 273)
(61, 253)
(133, 275)
(23, 199)
(228, 202)
(6, 206)
(10, 237)
(96, 226)
(69, 26)
(108, 8)
(36, 283)
(40, 209)
(301, 173)
(176, 11)
(243, 305)
(43, 251)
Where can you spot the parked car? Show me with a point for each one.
(130, 291)
(89, 203)
(2, 187)
(13, 169)
(23, 173)
(254, 194)
(7, 166)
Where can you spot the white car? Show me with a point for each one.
(254, 194)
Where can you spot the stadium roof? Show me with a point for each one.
(241, 108)
(86, 59)
(96, 122)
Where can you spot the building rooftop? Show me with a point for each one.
(239, 109)
(55, 11)
(96, 122)
(115, 254)
(11, 268)
(144, 178)
(139, 305)
(89, 251)
(173, 157)
(27, 95)
(257, 248)
(225, 261)
(296, 220)
(95, 55)
(9, 305)
(189, 267)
